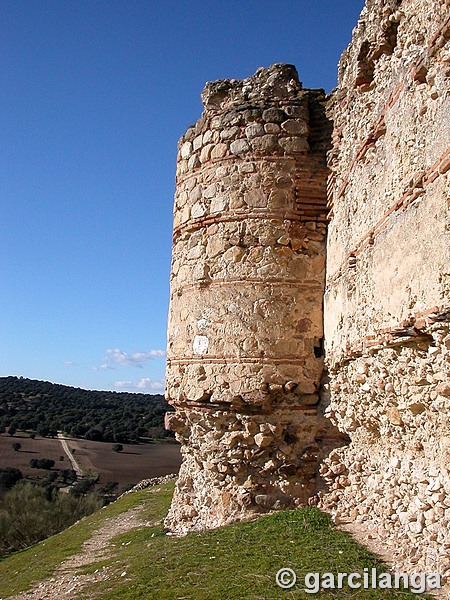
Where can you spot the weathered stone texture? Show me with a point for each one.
(388, 236)
(388, 280)
(245, 325)
(248, 279)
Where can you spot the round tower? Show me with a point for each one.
(244, 359)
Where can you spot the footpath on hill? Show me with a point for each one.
(67, 581)
(75, 466)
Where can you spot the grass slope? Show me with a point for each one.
(238, 562)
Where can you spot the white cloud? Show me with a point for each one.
(104, 367)
(123, 384)
(70, 363)
(137, 359)
(115, 356)
(145, 385)
(150, 384)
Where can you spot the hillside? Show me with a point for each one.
(122, 552)
(46, 408)
(134, 463)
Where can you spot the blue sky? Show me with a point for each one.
(94, 95)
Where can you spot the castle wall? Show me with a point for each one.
(245, 329)
(256, 413)
(387, 294)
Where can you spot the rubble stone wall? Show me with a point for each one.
(245, 333)
(387, 295)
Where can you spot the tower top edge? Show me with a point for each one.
(277, 83)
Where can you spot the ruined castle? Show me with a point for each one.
(309, 324)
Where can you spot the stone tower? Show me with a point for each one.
(245, 326)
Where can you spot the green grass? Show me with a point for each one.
(238, 562)
(20, 570)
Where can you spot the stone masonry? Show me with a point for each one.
(245, 332)
(265, 267)
(387, 297)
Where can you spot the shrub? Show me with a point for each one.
(109, 490)
(68, 475)
(42, 463)
(9, 476)
(81, 488)
(31, 513)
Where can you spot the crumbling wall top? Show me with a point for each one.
(272, 85)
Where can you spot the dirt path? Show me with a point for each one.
(75, 466)
(66, 583)
(388, 553)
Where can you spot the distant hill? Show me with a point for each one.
(46, 408)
